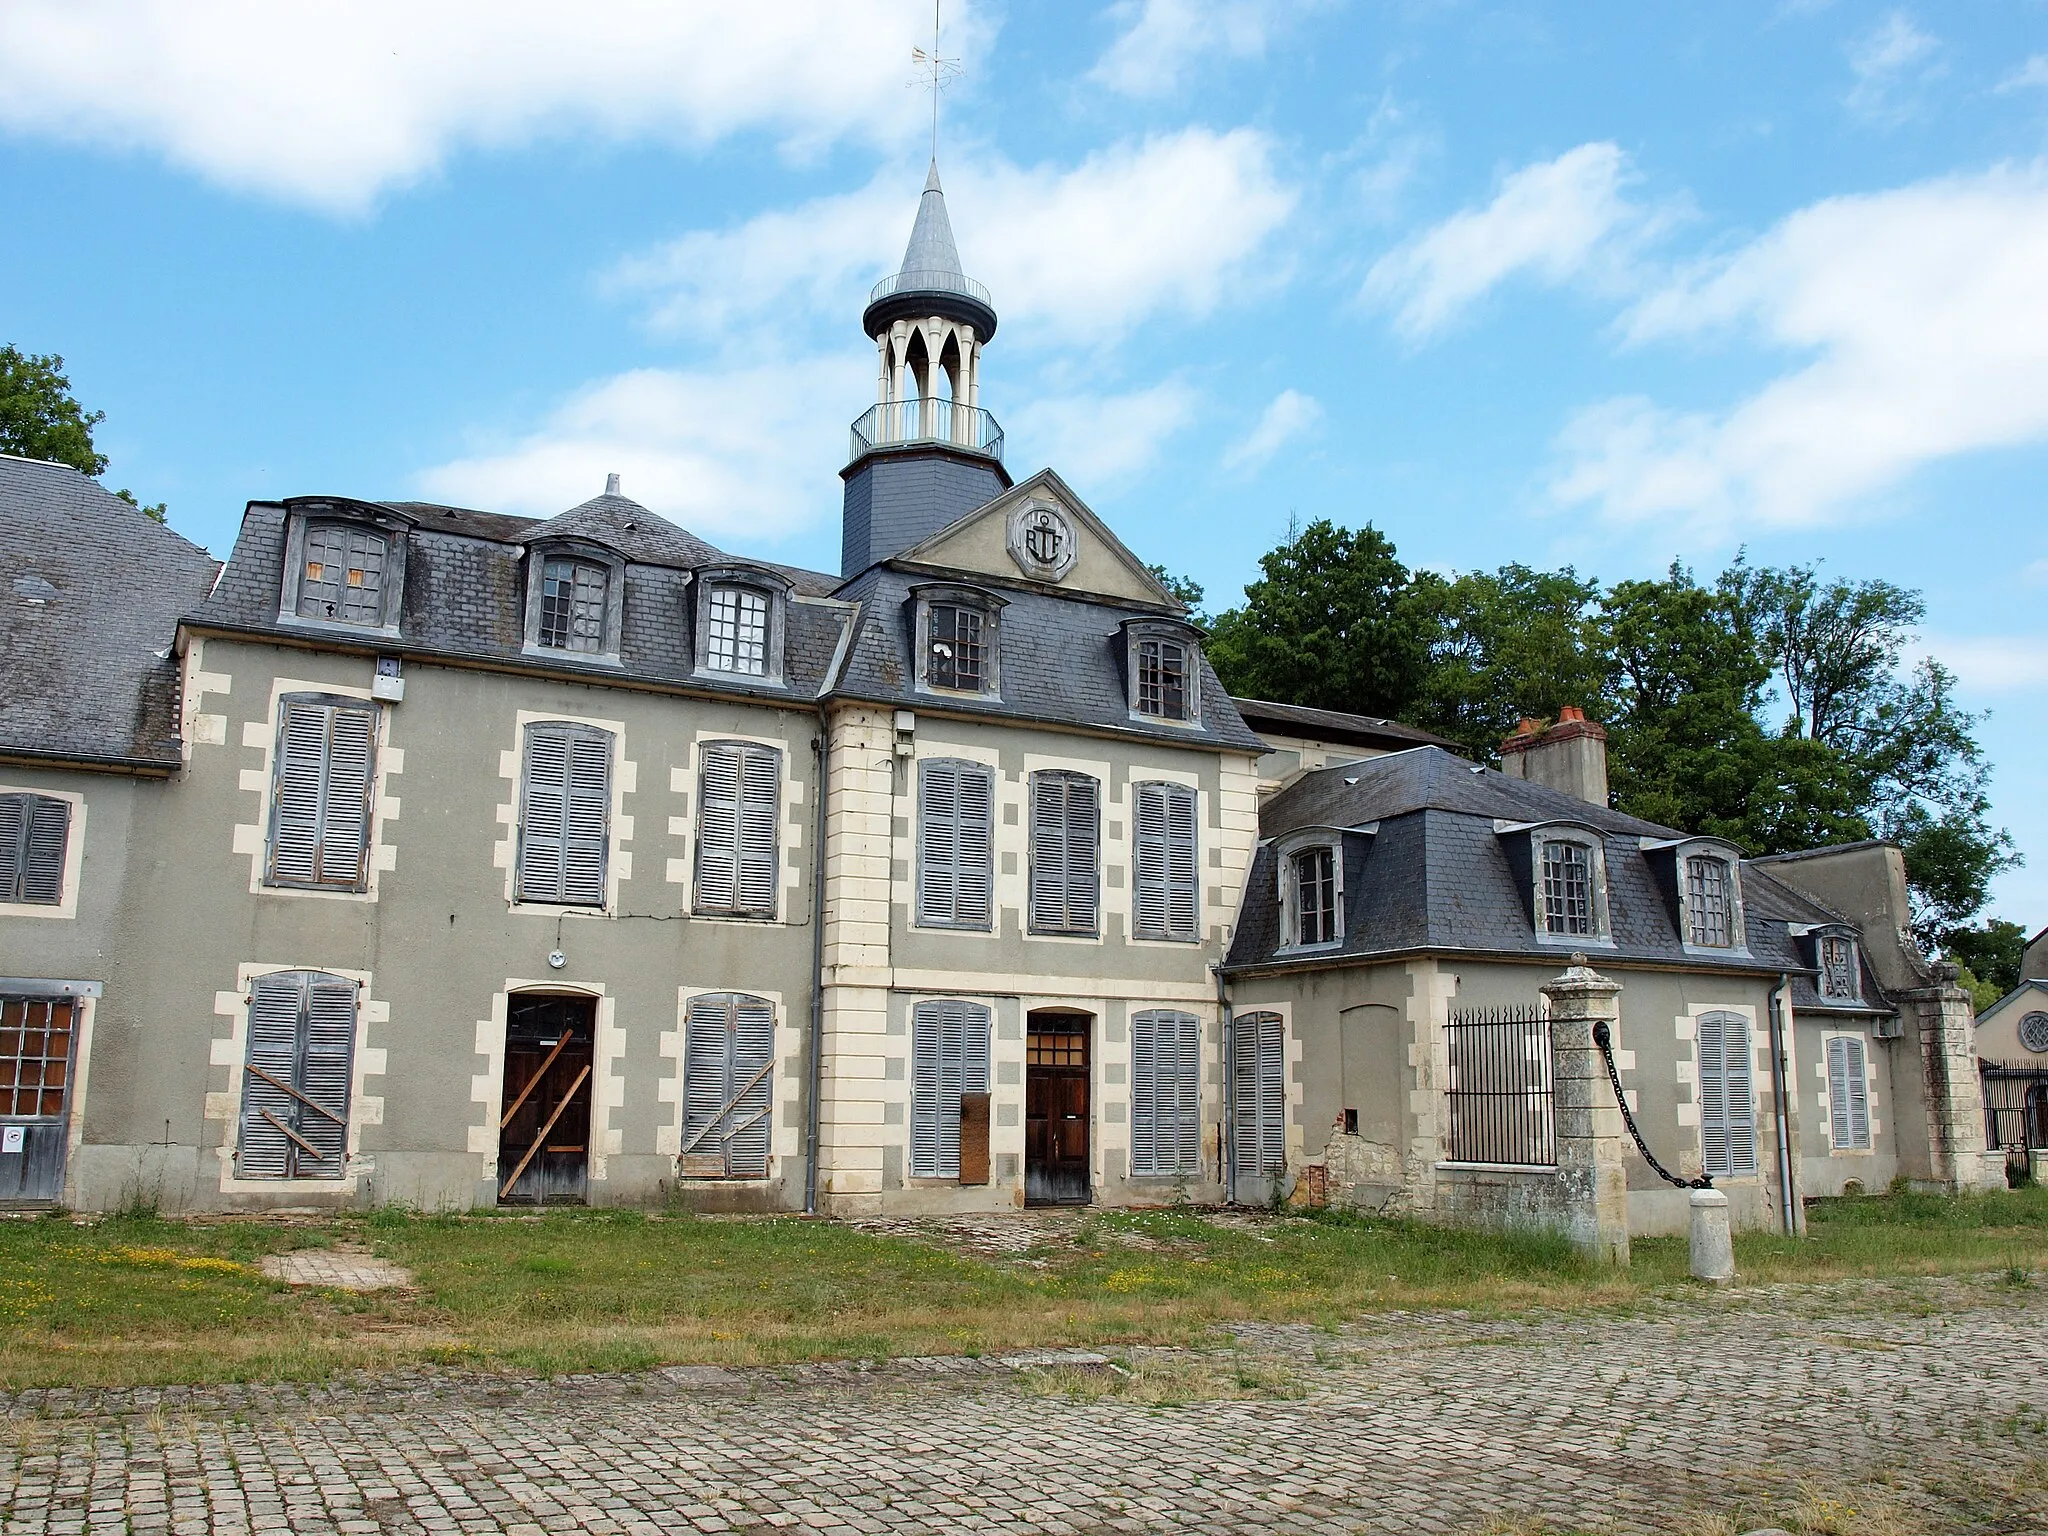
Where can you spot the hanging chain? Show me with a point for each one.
(1605, 1040)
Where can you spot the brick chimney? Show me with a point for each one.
(1570, 755)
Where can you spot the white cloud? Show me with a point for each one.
(1100, 439)
(1166, 225)
(1887, 61)
(2032, 75)
(1554, 219)
(1162, 39)
(1925, 322)
(1989, 663)
(329, 104)
(1291, 415)
(742, 454)
(2037, 572)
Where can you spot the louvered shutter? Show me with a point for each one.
(1260, 1133)
(324, 1075)
(718, 828)
(707, 1079)
(1188, 1100)
(1164, 901)
(955, 843)
(1848, 1093)
(320, 821)
(760, 797)
(949, 1051)
(1065, 853)
(34, 830)
(728, 1088)
(1713, 1095)
(1727, 1103)
(345, 801)
(301, 760)
(263, 1150)
(1145, 1105)
(753, 1087)
(566, 814)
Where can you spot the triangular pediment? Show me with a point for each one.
(1003, 538)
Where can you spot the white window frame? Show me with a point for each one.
(1595, 849)
(742, 581)
(990, 607)
(1137, 633)
(1289, 894)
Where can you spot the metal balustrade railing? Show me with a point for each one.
(930, 282)
(926, 421)
(1499, 1087)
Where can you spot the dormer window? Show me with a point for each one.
(574, 600)
(1710, 901)
(957, 634)
(1313, 875)
(572, 605)
(958, 649)
(342, 578)
(1567, 888)
(740, 624)
(1840, 976)
(738, 637)
(1165, 671)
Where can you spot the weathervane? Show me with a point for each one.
(936, 70)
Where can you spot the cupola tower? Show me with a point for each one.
(926, 453)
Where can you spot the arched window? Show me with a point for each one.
(572, 605)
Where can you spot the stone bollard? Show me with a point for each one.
(1713, 1249)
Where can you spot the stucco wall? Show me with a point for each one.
(437, 941)
(1826, 1169)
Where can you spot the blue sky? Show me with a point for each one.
(1597, 284)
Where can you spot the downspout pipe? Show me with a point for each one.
(1788, 1208)
(1228, 1159)
(815, 1067)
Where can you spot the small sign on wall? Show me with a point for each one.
(10, 1138)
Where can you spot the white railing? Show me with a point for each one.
(930, 282)
(926, 421)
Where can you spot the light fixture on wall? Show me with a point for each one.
(556, 959)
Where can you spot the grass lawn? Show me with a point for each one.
(129, 1300)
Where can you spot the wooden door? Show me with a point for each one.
(36, 1056)
(1056, 1110)
(544, 1130)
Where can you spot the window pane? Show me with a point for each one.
(738, 640)
(1838, 969)
(572, 601)
(959, 649)
(1567, 889)
(1163, 679)
(1315, 895)
(1709, 910)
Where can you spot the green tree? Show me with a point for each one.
(1333, 622)
(1505, 644)
(39, 417)
(1183, 588)
(1993, 952)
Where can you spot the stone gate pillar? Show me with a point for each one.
(1591, 1139)
(1951, 1088)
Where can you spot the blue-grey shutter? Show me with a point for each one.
(1187, 1128)
(1144, 1093)
(325, 1073)
(1065, 852)
(949, 1056)
(718, 827)
(1848, 1093)
(565, 818)
(34, 830)
(1165, 902)
(345, 797)
(295, 820)
(262, 1149)
(1259, 1136)
(324, 772)
(1727, 1102)
(760, 801)
(955, 843)
(728, 1087)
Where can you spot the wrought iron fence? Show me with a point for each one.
(1499, 1087)
(934, 420)
(2015, 1112)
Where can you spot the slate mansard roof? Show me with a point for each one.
(90, 594)
(1435, 875)
(465, 594)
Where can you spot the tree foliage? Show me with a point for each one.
(41, 419)
(1993, 953)
(1770, 707)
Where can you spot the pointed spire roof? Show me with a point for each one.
(931, 247)
(930, 280)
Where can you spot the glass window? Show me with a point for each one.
(572, 594)
(738, 640)
(957, 656)
(1709, 902)
(1567, 888)
(1315, 895)
(343, 578)
(1838, 969)
(1163, 679)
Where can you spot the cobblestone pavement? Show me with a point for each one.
(343, 1267)
(1417, 1422)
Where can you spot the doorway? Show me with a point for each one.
(1056, 1108)
(37, 1045)
(544, 1132)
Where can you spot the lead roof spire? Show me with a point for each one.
(931, 247)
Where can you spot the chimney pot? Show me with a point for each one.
(611, 484)
(1570, 755)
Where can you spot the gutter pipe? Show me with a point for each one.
(1788, 1208)
(1227, 1161)
(816, 1067)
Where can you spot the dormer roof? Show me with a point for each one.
(621, 523)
